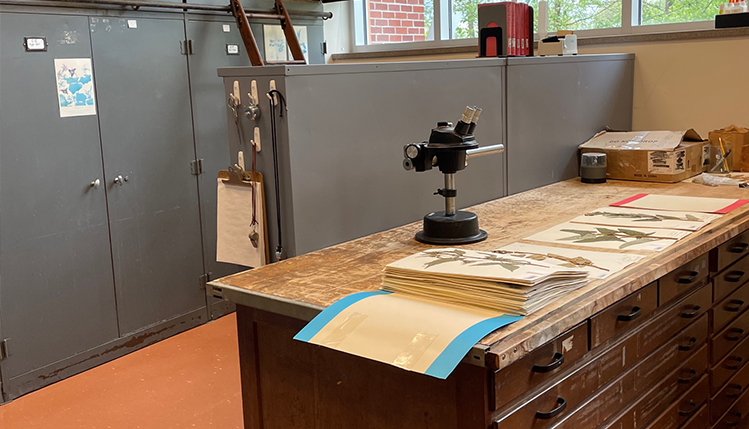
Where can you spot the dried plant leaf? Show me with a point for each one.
(635, 233)
(641, 240)
(599, 238)
(607, 231)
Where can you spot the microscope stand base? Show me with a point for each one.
(461, 228)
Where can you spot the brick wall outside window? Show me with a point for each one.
(395, 21)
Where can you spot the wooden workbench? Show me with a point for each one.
(291, 384)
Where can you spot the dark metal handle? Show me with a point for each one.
(734, 276)
(734, 334)
(691, 411)
(737, 421)
(558, 360)
(736, 359)
(737, 390)
(636, 311)
(734, 305)
(688, 278)
(562, 404)
(692, 375)
(691, 314)
(738, 247)
(689, 346)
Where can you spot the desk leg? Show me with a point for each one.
(248, 364)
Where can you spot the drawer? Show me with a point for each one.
(731, 278)
(730, 251)
(725, 340)
(731, 306)
(682, 279)
(721, 402)
(729, 366)
(737, 415)
(690, 408)
(624, 315)
(540, 365)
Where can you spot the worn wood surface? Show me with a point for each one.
(322, 277)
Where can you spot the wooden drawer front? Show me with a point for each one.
(729, 394)
(540, 365)
(731, 278)
(682, 279)
(729, 366)
(725, 340)
(737, 415)
(730, 307)
(624, 315)
(731, 250)
(691, 406)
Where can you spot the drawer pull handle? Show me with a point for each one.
(737, 388)
(636, 311)
(734, 276)
(735, 422)
(688, 278)
(561, 405)
(738, 247)
(542, 369)
(734, 305)
(692, 375)
(736, 366)
(691, 314)
(734, 334)
(689, 346)
(692, 408)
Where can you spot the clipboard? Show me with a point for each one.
(238, 177)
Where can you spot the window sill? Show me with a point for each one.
(470, 45)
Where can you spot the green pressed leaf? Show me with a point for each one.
(578, 231)
(635, 233)
(607, 231)
(640, 240)
(599, 238)
(693, 218)
(439, 261)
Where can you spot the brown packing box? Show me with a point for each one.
(734, 138)
(651, 156)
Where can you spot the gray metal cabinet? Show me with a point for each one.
(147, 141)
(57, 291)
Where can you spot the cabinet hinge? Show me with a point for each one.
(204, 279)
(196, 167)
(324, 48)
(4, 353)
(185, 47)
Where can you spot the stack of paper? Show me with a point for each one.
(494, 281)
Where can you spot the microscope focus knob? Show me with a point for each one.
(412, 151)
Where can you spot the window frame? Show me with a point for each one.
(630, 16)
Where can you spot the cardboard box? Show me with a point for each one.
(735, 139)
(651, 156)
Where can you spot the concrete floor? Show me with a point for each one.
(190, 380)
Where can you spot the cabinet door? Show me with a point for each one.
(148, 145)
(210, 41)
(55, 261)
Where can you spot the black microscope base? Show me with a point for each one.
(462, 228)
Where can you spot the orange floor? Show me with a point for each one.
(188, 381)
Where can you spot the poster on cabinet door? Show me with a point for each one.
(276, 48)
(75, 87)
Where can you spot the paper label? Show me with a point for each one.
(706, 155)
(227, 28)
(131, 23)
(232, 49)
(663, 162)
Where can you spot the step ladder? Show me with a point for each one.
(248, 38)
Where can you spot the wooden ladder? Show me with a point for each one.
(248, 38)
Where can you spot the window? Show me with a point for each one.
(381, 22)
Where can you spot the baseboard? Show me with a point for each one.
(222, 308)
(34, 380)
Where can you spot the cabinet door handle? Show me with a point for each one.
(692, 375)
(636, 311)
(688, 278)
(736, 366)
(691, 314)
(692, 408)
(734, 305)
(734, 276)
(95, 184)
(738, 247)
(737, 388)
(689, 346)
(735, 422)
(561, 405)
(558, 360)
(734, 334)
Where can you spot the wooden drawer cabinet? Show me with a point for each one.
(731, 306)
(689, 408)
(731, 278)
(624, 315)
(700, 419)
(683, 279)
(730, 251)
(729, 366)
(737, 415)
(542, 364)
(725, 340)
(736, 386)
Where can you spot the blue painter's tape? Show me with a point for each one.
(325, 316)
(458, 347)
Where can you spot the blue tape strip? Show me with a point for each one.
(329, 313)
(458, 347)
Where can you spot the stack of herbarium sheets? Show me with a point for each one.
(497, 281)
